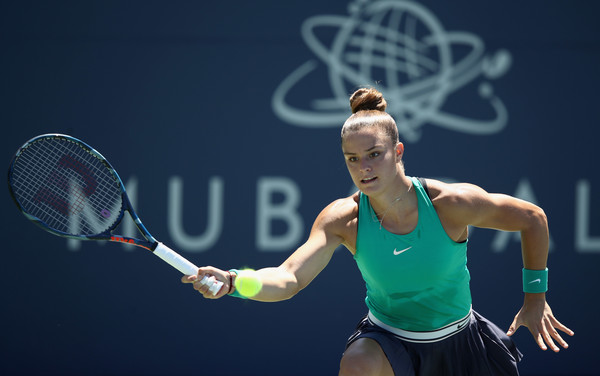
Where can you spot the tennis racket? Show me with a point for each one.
(69, 189)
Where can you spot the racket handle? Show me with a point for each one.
(184, 266)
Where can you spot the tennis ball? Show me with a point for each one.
(248, 283)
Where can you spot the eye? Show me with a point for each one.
(374, 154)
(352, 159)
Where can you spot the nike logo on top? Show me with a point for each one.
(536, 281)
(396, 253)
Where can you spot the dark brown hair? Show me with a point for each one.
(368, 110)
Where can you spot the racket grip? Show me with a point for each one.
(183, 265)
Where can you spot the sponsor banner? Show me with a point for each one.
(223, 121)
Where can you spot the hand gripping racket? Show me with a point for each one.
(69, 189)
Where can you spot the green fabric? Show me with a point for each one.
(535, 281)
(417, 281)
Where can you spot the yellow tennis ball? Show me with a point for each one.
(248, 283)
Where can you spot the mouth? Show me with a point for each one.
(368, 180)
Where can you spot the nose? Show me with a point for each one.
(365, 166)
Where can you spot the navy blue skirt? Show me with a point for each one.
(481, 349)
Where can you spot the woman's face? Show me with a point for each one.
(372, 159)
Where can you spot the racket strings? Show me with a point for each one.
(66, 186)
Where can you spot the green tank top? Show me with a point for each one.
(418, 281)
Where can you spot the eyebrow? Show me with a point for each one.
(368, 150)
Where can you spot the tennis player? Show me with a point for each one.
(409, 239)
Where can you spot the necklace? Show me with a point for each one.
(397, 199)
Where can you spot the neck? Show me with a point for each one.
(394, 202)
(397, 192)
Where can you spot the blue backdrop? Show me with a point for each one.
(223, 118)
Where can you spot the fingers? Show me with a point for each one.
(208, 282)
(539, 339)
(547, 334)
(513, 327)
(543, 326)
(189, 278)
(546, 339)
(554, 334)
(208, 286)
(550, 333)
(516, 324)
(555, 324)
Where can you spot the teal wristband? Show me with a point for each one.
(236, 294)
(535, 281)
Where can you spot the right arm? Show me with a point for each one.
(335, 225)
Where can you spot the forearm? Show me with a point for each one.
(535, 242)
(277, 285)
(302, 266)
(535, 246)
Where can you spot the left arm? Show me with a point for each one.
(461, 205)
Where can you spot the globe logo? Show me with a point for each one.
(402, 49)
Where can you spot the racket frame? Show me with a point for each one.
(149, 242)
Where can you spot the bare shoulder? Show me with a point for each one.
(462, 203)
(340, 211)
(340, 218)
(457, 204)
(454, 194)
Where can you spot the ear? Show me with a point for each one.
(399, 150)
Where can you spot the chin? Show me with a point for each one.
(368, 189)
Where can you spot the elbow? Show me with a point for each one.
(536, 221)
(539, 216)
(285, 292)
(291, 291)
(292, 288)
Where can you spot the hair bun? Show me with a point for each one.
(366, 99)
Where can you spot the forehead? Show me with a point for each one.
(364, 140)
